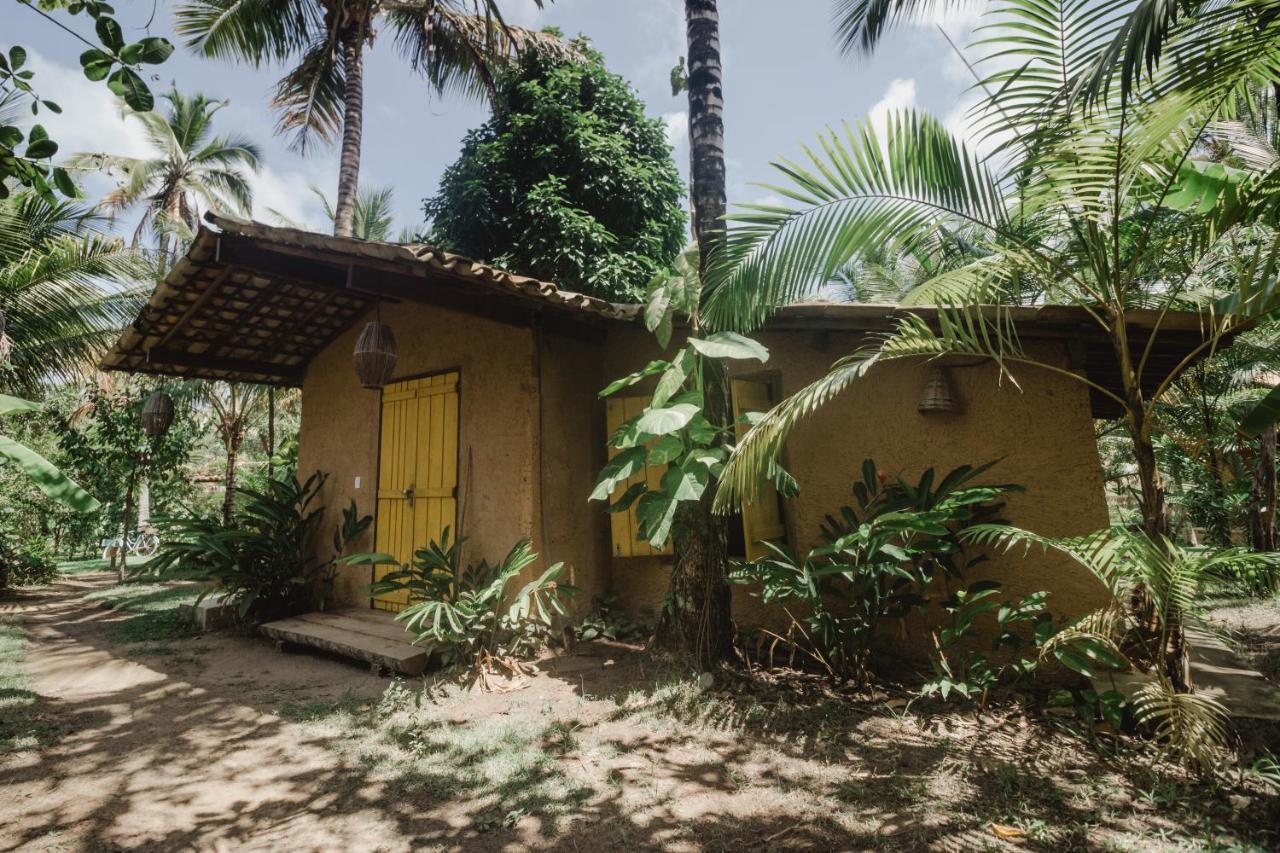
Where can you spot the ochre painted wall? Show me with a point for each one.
(1042, 429)
(497, 427)
(526, 467)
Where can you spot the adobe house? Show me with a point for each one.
(492, 425)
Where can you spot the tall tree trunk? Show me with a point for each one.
(271, 434)
(1262, 493)
(699, 617)
(123, 551)
(352, 130)
(233, 457)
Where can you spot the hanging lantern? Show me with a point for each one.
(157, 414)
(938, 396)
(375, 355)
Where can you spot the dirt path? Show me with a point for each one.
(218, 742)
(148, 759)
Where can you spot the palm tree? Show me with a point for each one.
(1103, 205)
(456, 44)
(234, 406)
(191, 170)
(699, 619)
(59, 312)
(373, 218)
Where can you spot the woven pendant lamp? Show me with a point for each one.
(938, 396)
(157, 414)
(375, 355)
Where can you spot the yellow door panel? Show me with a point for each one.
(624, 526)
(762, 518)
(417, 470)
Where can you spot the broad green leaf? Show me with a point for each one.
(47, 476)
(666, 420)
(730, 345)
(655, 512)
(10, 405)
(154, 50)
(96, 64)
(666, 449)
(135, 91)
(109, 33)
(620, 468)
(17, 57)
(672, 378)
(650, 369)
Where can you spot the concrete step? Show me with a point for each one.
(369, 635)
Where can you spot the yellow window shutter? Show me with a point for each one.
(762, 518)
(624, 526)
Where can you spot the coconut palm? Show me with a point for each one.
(1102, 205)
(457, 44)
(191, 171)
(233, 407)
(59, 303)
(373, 219)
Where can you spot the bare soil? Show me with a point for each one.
(219, 742)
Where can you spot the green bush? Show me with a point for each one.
(263, 560)
(474, 616)
(24, 564)
(878, 560)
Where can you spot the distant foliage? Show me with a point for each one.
(568, 181)
(23, 563)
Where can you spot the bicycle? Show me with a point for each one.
(141, 543)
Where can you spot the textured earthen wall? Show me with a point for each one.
(498, 413)
(1043, 430)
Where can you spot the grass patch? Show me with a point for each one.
(156, 605)
(21, 724)
(94, 565)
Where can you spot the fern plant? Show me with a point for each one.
(1166, 580)
(474, 616)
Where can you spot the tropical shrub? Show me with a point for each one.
(876, 564)
(24, 563)
(1156, 588)
(610, 622)
(568, 180)
(474, 616)
(263, 561)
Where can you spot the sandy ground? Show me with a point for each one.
(222, 743)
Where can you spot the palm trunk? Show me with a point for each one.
(123, 551)
(271, 434)
(699, 618)
(352, 131)
(229, 495)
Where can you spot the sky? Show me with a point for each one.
(784, 83)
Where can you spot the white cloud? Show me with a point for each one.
(901, 95)
(677, 127)
(280, 195)
(91, 116)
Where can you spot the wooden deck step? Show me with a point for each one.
(369, 635)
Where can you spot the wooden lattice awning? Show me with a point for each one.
(255, 303)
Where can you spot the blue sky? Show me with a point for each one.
(784, 82)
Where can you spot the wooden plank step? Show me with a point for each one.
(382, 629)
(349, 637)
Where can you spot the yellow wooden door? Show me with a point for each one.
(762, 518)
(624, 526)
(417, 470)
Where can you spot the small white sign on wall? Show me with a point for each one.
(357, 482)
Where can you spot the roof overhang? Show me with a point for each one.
(1178, 342)
(255, 303)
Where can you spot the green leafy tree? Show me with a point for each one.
(60, 310)
(108, 58)
(191, 170)
(456, 44)
(44, 474)
(568, 181)
(102, 440)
